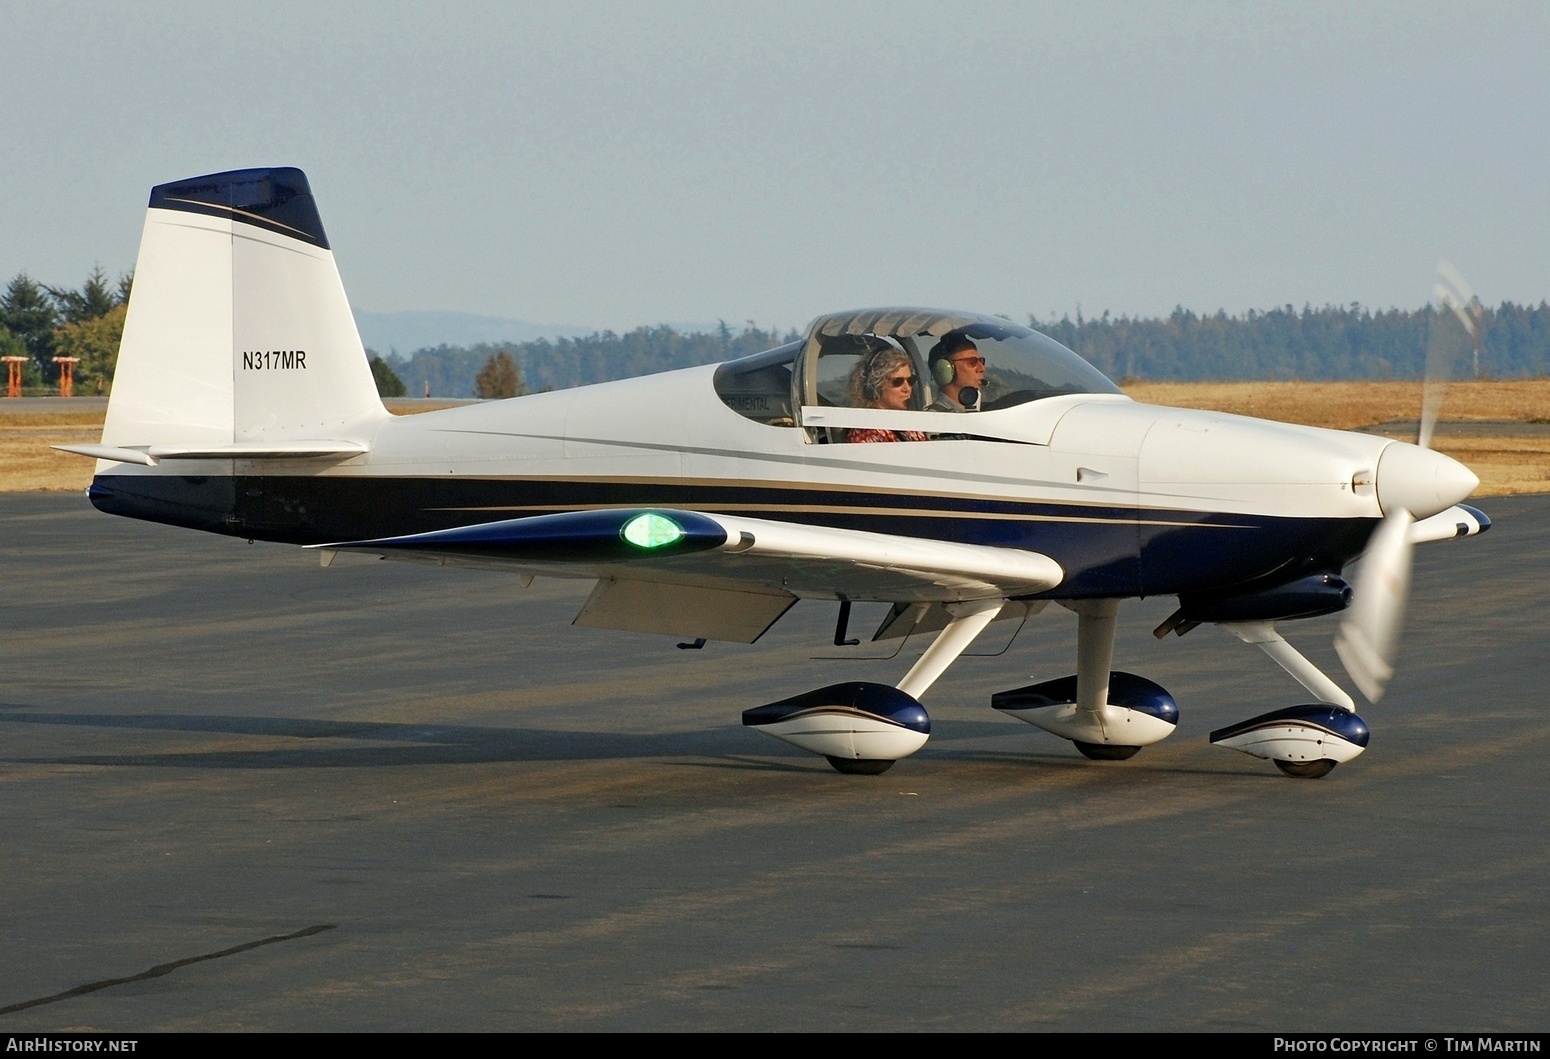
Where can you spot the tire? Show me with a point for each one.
(1106, 751)
(862, 766)
(1306, 770)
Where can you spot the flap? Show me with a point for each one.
(683, 610)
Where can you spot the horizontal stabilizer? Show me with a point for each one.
(151, 455)
(110, 452)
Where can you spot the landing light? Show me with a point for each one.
(652, 531)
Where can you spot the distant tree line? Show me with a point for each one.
(558, 364)
(387, 380)
(40, 323)
(1333, 342)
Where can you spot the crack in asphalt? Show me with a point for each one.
(164, 968)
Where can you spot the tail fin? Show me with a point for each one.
(239, 333)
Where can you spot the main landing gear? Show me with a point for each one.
(1109, 716)
(862, 728)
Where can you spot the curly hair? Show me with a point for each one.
(869, 377)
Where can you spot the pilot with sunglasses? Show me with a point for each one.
(959, 373)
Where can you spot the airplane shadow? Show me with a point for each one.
(370, 744)
(378, 744)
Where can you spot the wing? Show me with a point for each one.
(692, 573)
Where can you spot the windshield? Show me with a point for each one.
(953, 361)
(963, 361)
(1024, 365)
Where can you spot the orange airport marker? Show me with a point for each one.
(13, 365)
(66, 375)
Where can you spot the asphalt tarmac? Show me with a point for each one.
(238, 791)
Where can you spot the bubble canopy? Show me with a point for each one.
(1021, 365)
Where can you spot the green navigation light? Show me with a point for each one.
(652, 531)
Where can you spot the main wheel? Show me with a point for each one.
(1306, 770)
(1106, 751)
(860, 766)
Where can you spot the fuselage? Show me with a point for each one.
(1130, 499)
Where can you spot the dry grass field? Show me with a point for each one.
(1506, 462)
(1353, 405)
(27, 464)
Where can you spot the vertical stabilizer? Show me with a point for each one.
(239, 329)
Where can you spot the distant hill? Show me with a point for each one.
(410, 330)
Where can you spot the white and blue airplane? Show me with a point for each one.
(705, 502)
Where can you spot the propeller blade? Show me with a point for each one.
(1370, 632)
(1455, 326)
(1369, 635)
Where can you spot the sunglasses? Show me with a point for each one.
(973, 362)
(901, 380)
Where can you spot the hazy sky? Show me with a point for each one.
(618, 164)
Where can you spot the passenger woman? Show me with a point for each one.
(885, 379)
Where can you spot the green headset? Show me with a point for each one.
(943, 370)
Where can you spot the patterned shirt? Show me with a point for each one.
(862, 434)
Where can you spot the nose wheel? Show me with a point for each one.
(1306, 770)
(859, 766)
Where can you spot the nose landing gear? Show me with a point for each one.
(1304, 741)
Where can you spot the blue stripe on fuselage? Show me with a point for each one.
(1105, 550)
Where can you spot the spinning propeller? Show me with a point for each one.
(1409, 478)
